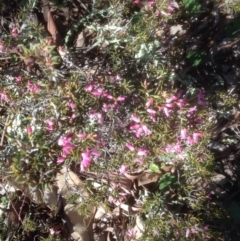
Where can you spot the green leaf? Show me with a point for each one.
(196, 57)
(192, 6)
(166, 181)
(153, 167)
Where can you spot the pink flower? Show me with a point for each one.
(192, 109)
(142, 152)
(200, 97)
(123, 169)
(29, 130)
(135, 119)
(32, 87)
(81, 135)
(1, 47)
(190, 140)
(18, 79)
(15, 32)
(67, 149)
(151, 111)
(4, 97)
(170, 105)
(171, 99)
(181, 103)
(152, 114)
(139, 128)
(187, 233)
(137, 1)
(170, 8)
(121, 98)
(195, 136)
(87, 158)
(150, 3)
(95, 152)
(183, 134)
(108, 96)
(131, 233)
(166, 111)
(67, 146)
(149, 102)
(64, 140)
(72, 105)
(130, 146)
(97, 92)
(50, 125)
(165, 13)
(89, 88)
(52, 231)
(60, 159)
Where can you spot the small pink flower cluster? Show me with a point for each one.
(87, 156)
(29, 130)
(140, 152)
(15, 32)
(139, 128)
(4, 97)
(178, 147)
(173, 102)
(151, 112)
(18, 79)
(100, 92)
(201, 98)
(72, 106)
(131, 233)
(197, 230)
(116, 201)
(53, 231)
(123, 169)
(32, 87)
(50, 125)
(67, 147)
(192, 139)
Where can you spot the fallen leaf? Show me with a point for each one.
(52, 29)
(148, 177)
(80, 40)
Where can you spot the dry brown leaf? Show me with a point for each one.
(166, 168)
(80, 40)
(109, 229)
(116, 211)
(148, 177)
(138, 229)
(132, 177)
(67, 181)
(78, 223)
(52, 29)
(121, 180)
(129, 210)
(100, 212)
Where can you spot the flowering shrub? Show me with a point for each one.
(125, 119)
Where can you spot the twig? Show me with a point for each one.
(4, 131)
